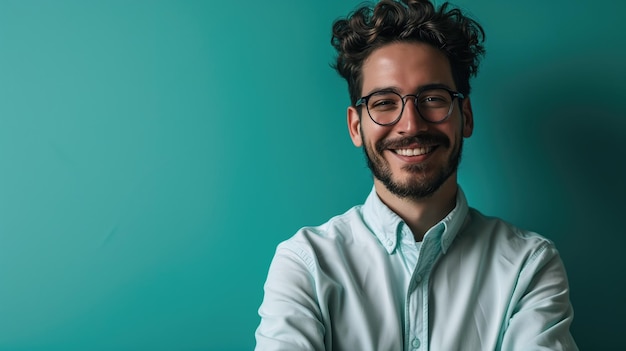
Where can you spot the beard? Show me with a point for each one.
(420, 185)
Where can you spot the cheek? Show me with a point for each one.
(371, 134)
(455, 131)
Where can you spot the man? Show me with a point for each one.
(413, 268)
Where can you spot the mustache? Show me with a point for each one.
(420, 139)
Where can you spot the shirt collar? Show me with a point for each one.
(385, 223)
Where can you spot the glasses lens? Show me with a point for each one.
(384, 107)
(434, 105)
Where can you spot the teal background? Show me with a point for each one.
(154, 153)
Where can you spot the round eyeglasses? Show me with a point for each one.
(434, 105)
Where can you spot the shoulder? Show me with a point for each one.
(340, 227)
(339, 233)
(511, 242)
(502, 229)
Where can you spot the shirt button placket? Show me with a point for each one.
(416, 343)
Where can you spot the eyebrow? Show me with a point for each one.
(397, 90)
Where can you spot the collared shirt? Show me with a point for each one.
(361, 282)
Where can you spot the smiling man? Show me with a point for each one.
(414, 267)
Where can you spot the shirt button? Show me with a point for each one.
(388, 242)
(416, 343)
(418, 278)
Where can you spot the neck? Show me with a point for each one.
(421, 214)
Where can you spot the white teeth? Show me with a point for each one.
(413, 152)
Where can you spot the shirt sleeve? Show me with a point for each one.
(290, 314)
(543, 313)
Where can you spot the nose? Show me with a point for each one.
(410, 121)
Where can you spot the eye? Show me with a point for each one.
(434, 99)
(380, 103)
(384, 102)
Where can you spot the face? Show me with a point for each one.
(412, 158)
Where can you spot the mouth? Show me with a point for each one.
(416, 151)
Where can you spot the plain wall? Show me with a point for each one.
(154, 153)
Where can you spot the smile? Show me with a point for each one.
(414, 152)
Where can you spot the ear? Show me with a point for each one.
(468, 117)
(354, 126)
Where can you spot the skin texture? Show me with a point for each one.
(420, 189)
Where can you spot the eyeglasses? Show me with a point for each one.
(433, 104)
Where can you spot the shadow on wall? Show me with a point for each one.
(569, 126)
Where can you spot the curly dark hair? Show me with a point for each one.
(355, 37)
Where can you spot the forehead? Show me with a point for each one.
(405, 66)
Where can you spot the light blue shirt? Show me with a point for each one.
(361, 282)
